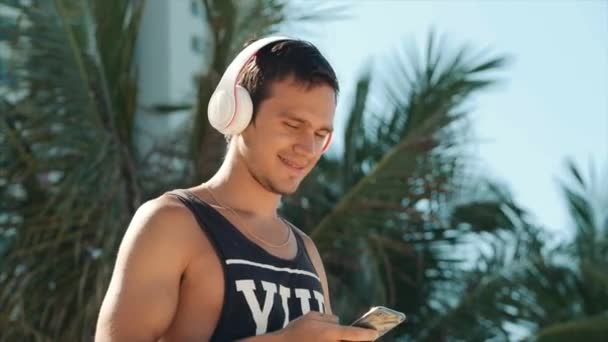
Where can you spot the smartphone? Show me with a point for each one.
(381, 319)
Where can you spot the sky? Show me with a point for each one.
(552, 103)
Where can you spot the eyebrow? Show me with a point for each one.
(294, 117)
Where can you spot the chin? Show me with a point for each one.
(283, 187)
(284, 190)
(280, 184)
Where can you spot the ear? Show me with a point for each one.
(327, 142)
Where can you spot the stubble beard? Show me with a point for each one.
(269, 185)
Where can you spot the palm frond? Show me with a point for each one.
(521, 282)
(70, 187)
(354, 137)
(592, 329)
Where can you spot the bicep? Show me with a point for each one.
(143, 293)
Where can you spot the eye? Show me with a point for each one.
(291, 125)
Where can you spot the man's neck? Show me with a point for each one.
(233, 186)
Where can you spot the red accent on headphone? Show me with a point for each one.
(236, 99)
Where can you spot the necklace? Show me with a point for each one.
(282, 244)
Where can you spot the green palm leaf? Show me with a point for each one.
(68, 177)
(526, 287)
(589, 329)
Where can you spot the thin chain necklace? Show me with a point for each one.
(282, 244)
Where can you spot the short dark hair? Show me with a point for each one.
(281, 59)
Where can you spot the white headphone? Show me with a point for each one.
(230, 107)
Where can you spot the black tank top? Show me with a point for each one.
(262, 292)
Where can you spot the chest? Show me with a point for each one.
(248, 296)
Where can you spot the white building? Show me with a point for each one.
(169, 56)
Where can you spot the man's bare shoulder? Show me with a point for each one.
(164, 206)
(154, 257)
(165, 220)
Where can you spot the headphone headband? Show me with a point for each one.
(229, 79)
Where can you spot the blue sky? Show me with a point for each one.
(553, 103)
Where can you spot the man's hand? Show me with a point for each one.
(323, 328)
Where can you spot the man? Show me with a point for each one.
(216, 262)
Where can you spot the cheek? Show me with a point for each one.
(274, 139)
(262, 147)
(264, 142)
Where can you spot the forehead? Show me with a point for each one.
(315, 103)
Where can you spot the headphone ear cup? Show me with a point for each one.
(327, 142)
(230, 107)
(219, 110)
(224, 117)
(243, 113)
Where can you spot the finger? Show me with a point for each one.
(331, 318)
(314, 313)
(323, 317)
(348, 333)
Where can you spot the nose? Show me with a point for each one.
(306, 145)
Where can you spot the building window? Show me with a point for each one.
(196, 44)
(195, 7)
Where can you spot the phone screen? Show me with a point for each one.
(381, 319)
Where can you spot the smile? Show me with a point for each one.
(291, 164)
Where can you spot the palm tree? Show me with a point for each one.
(529, 288)
(68, 176)
(69, 179)
(382, 213)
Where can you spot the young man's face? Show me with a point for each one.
(288, 135)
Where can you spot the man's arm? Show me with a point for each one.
(143, 293)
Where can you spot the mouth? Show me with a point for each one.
(292, 165)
